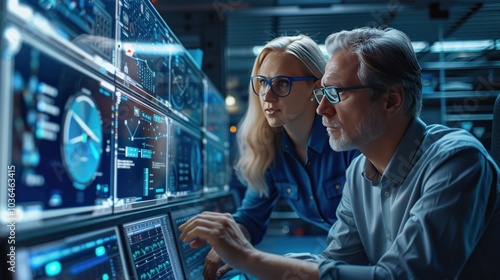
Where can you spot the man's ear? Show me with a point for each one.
(395, 100)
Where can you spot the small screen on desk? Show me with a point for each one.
(94, 255)
(153, 250)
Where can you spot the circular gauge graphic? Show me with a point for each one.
(82, 139)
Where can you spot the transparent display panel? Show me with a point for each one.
(142, 133)
(216, 121)
(185, 162)
(60, 132)
(88, 24)
(216, 166)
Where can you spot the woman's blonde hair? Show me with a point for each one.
(257, 140)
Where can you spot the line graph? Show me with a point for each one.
(150, 251)
(148, 128)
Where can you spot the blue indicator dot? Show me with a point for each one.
(53, 268)
(100, 251)
(105, 276)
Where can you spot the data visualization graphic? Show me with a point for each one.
(187, 88)
(141, 159)
(153, 249)
(216, 119)
(192, 258)
(61, 141)
(145, 44)
(82, 138)
(185, 162)
(217, 173)
(88, 24)
(95, 255)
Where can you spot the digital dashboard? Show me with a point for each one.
(111, 135)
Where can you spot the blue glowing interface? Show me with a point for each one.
(186, 88)
(145, 45)
(185, 162)
(141, 151)
(216, 167)
(155, 61)
(216, 120)
(89, 24)
(61, 136)
(95, 255)
(192, 259)
(153, 249)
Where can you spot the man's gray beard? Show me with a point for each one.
(371, 127)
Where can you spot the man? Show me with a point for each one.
(422, 202)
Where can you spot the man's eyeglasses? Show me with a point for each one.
(332, 93)
(280, 85)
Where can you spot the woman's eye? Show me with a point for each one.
(283, 83)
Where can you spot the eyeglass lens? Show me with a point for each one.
(279, 85)
(330, 92)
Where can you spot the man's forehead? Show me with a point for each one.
(342, 65)
(331, 70)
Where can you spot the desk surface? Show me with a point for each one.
(293, 244)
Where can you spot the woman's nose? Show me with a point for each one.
(268, 94)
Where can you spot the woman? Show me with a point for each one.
(283, 146)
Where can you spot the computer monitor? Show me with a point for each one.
(153, 249)
(92, 255)
(141, 137)
(192, 259)
(90, 25)
(187, 87)
(153, 60)
(144, 46)
(185, 162)
(216, 117)
(216, 166)
(57, 115)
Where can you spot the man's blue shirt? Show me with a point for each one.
(433, 214)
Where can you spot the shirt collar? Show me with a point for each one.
(317, 138)
(404, 158)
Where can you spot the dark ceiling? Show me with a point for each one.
(243, 24)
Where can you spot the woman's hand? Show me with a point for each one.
(222, 233)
